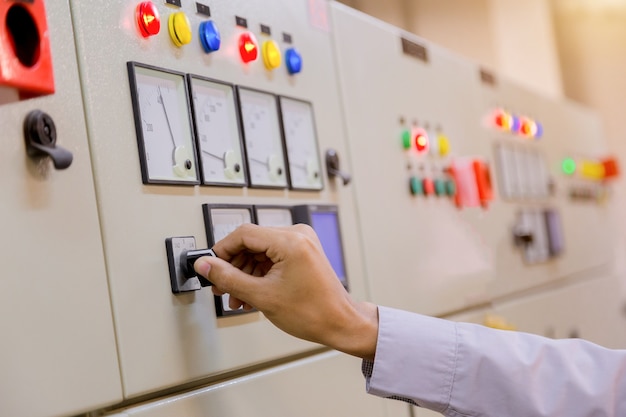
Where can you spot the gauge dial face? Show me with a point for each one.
(217, 128)
(274, 216)
(262, 137)
(163, 126)
(301, 144)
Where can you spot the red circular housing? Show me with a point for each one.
(248, 48)
(148, 19)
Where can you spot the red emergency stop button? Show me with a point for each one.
(248, 48)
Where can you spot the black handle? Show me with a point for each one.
(333, 167)
(41, 136)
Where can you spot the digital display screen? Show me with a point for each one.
(326, 225)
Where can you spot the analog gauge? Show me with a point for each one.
(163, 125)
(217, 130)
(219, 221)
(262, 137)
(301, 144)
(273, 216)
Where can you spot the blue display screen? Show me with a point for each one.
(326, 225)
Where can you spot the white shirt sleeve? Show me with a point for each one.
(461, 369)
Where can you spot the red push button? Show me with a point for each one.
(429, 186)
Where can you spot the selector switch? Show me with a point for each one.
(188, 259)
(41, 137)
(181, 279)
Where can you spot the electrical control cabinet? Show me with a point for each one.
(187, 104)
(448, 161)
(58, 354)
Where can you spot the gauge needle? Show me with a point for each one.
(302, 167)
(221, 158)
(258, 161)
(169, 126)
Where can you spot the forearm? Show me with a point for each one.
(464, 369)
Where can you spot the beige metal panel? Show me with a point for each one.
(422, 254)
(590, 309)
(58, 353)
(165, 340)
(329, 384)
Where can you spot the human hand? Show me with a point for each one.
(284, 273)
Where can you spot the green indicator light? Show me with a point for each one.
(450, 188)
(568, 166)
(406, 139)
(440, 187)
(416, 186)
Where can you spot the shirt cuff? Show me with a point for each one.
(415, 359)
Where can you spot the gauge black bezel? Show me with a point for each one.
(251, 184)
(145, 174)
(208, 226)
(244, 162)
(286, 148)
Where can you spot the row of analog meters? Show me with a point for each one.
(171, 137)
(179, 28)
(222, 219)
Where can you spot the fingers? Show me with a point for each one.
(229, 279)
(272, 242)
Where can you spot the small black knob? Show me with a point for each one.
(188, 258)
(333, 167)
(40, 134)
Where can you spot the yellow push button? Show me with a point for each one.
(271, 55)
(179, 28)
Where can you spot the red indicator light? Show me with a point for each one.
(148, 19)
(502, 119)
(421, 140)
(248, 48)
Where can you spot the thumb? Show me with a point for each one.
(229, 279)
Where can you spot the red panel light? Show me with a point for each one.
(421, 140)
(248, 48)
(148, 19)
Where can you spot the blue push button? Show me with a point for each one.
(210, 36)
(293, 60)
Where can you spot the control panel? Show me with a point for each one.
(221, 115)
(487, 211)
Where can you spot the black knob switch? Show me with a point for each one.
(333, 167)
(188, 258)
(41, 136)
